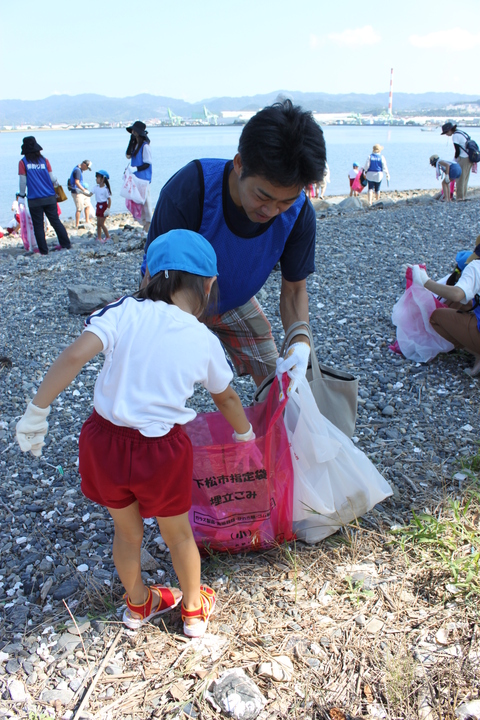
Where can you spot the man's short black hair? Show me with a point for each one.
(283, 144)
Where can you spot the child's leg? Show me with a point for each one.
(127, 543)
(104, 228)
(178, 535)
(99, 228)
(446, 190)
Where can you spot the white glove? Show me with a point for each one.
(295, 364)
(244, 437)
(32, 428)
(106, 213)
(132, 168)
(419, 275)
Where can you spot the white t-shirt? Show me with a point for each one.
(458, 138)
(101, 193)
(353, 173)
(147, 154)
(155, 353)
(470, 281)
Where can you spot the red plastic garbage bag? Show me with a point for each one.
(242, 492)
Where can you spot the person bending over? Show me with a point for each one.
(254, 212)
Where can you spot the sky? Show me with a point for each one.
(195, 50)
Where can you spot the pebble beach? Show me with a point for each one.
(416, 422)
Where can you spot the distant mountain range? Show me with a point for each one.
(73, 109)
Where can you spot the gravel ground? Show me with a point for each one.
(416, 422)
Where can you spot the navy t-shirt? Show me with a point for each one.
(180, 205)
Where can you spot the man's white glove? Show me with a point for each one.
(32, 428)
(295, 364)
(244, 437)
(419, 275)
(132, 168)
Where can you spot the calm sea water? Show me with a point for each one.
(406, 150)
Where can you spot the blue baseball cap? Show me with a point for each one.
(182, 250)
(104, 173)
(461, 258)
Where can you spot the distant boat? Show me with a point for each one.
(428, 129)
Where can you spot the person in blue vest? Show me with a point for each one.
(80, 192)
(374, 168)
(140, 156)
(37, 182)
(254, 213)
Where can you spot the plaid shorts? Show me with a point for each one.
(247, 336)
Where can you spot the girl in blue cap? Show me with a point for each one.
(135, 459)
(103, 196)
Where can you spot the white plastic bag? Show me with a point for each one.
(334, 482)
(134, 188)
(416, 338)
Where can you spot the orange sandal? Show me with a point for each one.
(135, 616)
(207, 606)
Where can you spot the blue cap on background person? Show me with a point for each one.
(355, 165)
(104, 173)
(182, 250)
(461, 258)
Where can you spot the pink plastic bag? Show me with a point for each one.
(135, 209)
(26, 228)
(242, 492)
(416, 338)
(357, 185)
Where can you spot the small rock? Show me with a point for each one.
(68, 641)
(113, 669)
(279, 669)
(374, 626)
(84, 299)
(388, 411)
(360, 620)
(81, 626)
(147, 561)
(66, 590)
(17, 691)
(441, 636)
(51, 696)
(12, 666)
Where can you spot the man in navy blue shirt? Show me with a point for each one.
(254, 213)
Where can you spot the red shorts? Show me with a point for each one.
(119, 465)
(351, 180)
(100, 211)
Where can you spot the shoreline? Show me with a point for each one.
(427, 127)
(330, 204)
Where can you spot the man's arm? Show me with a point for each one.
(294, 306)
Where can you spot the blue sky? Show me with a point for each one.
(196, 49)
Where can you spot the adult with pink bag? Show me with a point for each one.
(37, 182)
(138, 175)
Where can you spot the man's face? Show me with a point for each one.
(84, 166)
(260, 200)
